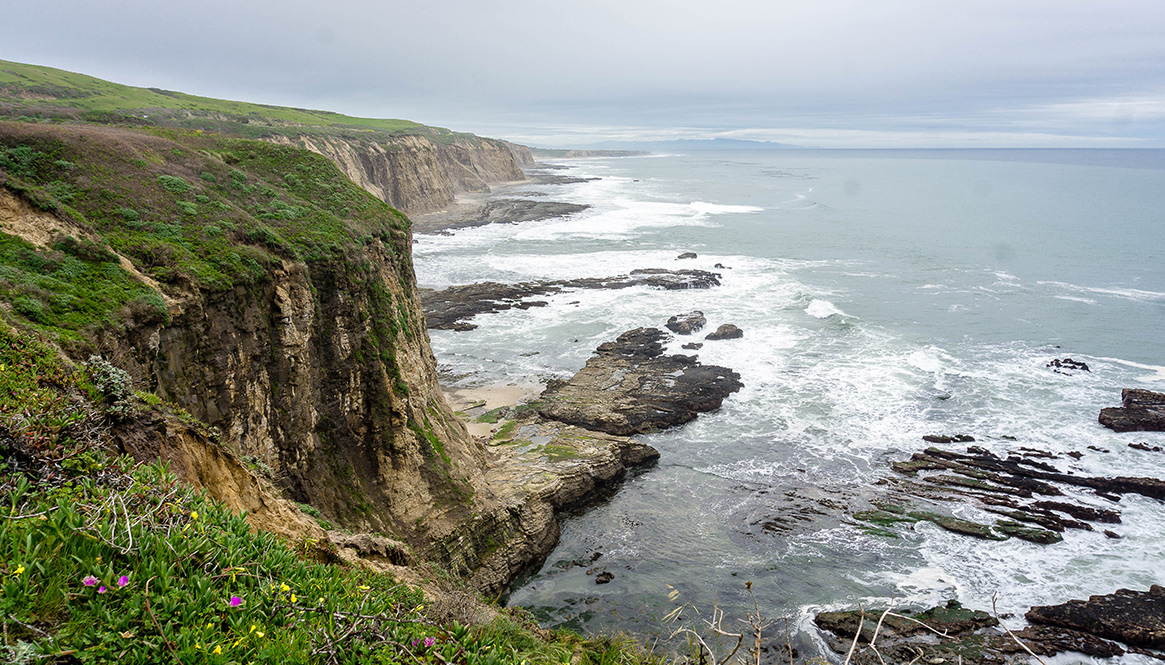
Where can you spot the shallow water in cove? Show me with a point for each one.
(883, 296)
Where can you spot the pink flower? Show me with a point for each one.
(236, 601)
(122, 581)
(88, 580)
(101, 589)
(430, 641)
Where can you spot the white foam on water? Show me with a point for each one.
(823, 309)
(1138, 295)
(1086, 301)
(1156, 375)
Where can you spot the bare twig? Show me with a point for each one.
(857, 633)
(156, 624)
(1008, 631)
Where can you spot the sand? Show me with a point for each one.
(477, 400)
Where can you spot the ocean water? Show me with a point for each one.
(883, 296)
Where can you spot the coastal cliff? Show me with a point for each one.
(414, 173)
(254, 287)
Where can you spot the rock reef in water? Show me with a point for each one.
(1140, 411)
(686, 324)
(1136, 618)
(451, 308)
(630, 387)
(726, 331)
(951, 633)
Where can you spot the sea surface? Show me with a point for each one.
(884, 295)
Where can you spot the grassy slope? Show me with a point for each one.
(32, 89)
(103, 560)
(191, 210)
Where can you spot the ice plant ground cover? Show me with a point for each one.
(103, 559)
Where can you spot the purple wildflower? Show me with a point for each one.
(236, 601)
(122, 581)
(101, 589)
(88, 580)
(430, 641)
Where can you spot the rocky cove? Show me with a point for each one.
(315, 382)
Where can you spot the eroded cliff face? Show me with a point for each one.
(325, 376)
(317, 372)
(416, 175)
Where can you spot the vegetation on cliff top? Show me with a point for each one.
(103, 559)
(33, 93)
(189, 210)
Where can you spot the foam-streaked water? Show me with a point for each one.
(883, 296)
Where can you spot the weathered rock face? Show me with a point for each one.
(324, 374)
(205, 464)
(630, 387)
(686, 324)
(1140, 411)
(416, 175)
(726, 331)
(1136, 618)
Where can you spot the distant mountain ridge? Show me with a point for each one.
(688, 145)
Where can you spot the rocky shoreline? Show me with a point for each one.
(569, 447)
(1104, 626)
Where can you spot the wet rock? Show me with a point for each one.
(686, 255)
(604, 577)
(693, 346)
(630, 387)
(1140, 411)
(498, 211)
(726, 331)
(1146, 447)
(451, 308)
(939, 438)
(1050, 640)
(1136, 618)
(686, 324)
(1063, 366)
(952, 634)
(721, 266)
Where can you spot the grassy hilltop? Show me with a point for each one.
(33, 91)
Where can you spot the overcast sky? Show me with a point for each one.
(832, 73)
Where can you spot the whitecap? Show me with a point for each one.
(1086, 301)
(823, 309)
(1158, 372)
(1139, 295)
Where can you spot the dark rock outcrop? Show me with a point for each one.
(1136, 618)
(630, 387)
(1018, 489)
(953, 634)
(686, 255)
(1067, 365)
(726, 331)
(1140, 411)
(450, 309)
(497, 211)
(686, 324)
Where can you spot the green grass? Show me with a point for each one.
(26, 83)
(36, 93)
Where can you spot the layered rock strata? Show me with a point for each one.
(1031, 497)
(415, 174)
